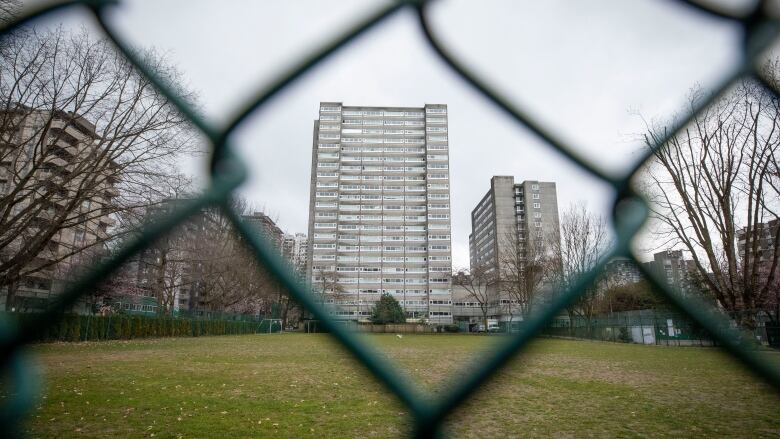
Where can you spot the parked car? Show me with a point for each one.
(492, 326)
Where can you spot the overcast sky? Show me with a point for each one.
(585, 69)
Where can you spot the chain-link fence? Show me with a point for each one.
(759, 30)
(649, 326)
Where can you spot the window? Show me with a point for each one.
(535, 187)
(537, 205)
(536, 196)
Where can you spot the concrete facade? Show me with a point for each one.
(763, 241)
(510, 217)
(672, 268)
(48, 147)
(379, 212)
(622, 271)
(526, 213)
(294, 250)
(267, 228)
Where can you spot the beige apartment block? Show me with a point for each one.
(47, 147)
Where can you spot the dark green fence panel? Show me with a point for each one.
(227, 172)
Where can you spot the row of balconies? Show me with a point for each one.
(383, 197)
(373, 113)
(385, 169)
(346, 131)
(373, 140)
(378, 149)
(379, 122)
(383, 269)
(370, 221)
(380, 249)
(438, 217)
(380, 159)
(396, 238)
(392, 188)
(68, 128)
(377, 281)
(417, 260)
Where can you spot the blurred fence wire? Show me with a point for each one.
(759, 30)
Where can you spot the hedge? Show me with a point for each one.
(74, 327)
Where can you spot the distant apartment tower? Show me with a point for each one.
(44, 149)
(763, 242)
(672, 268)
(294, 250)
(525, 213)
(379, 214)
(622, 271)
(264, 226)
(167, 270)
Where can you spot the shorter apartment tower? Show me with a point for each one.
(266, 227)
(511, 217)
(525, 212)
(40, 153)
(763, 242)
(671, 267)
(622, 271)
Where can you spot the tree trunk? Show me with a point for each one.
(10, 295)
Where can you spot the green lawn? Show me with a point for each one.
(300, 385)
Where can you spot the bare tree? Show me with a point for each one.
(210, 267)
(480, 286)
(583, 239)
(83, 136)
(524, 271)
(327, 286)
(715, 187)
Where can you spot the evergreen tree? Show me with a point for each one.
(388, 310)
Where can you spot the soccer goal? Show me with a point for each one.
(270, 326)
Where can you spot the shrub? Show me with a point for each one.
(624, 335)
(451, 328)
(388, 310)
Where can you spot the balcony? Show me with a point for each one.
(111, 192)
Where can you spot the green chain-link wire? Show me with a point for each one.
(228, 172)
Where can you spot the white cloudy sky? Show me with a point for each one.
(585, 69)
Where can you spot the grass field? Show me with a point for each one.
(304, 385)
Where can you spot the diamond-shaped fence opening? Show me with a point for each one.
(227, 172)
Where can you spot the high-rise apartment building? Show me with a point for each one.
(379, 213)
